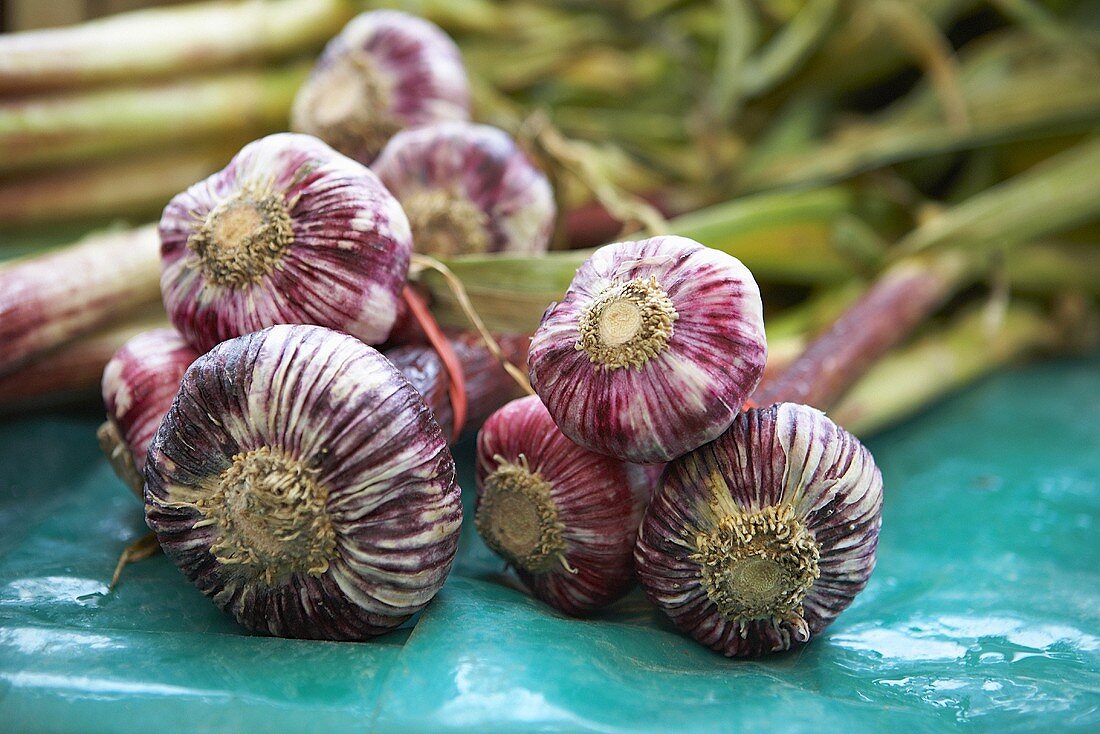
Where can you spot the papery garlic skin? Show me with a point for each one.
(300, 482)
(652, 351)
(468, 189)
(290, 232)
(580, 557)
(644, 480)
(758, 540)
(385, 71)
(139, 384)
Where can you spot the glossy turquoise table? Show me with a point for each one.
(984, 609)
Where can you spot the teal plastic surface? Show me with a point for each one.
(983, 611)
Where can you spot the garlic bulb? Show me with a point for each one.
(300, 482)
(290, 232)
(652, 351)
(385, 71)
(468, 189)
(139, 383)
(757, 541)
(562, 516)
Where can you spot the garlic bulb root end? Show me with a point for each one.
(518, 519)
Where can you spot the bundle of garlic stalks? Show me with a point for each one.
(911, 183)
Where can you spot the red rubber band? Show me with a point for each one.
(456, 387)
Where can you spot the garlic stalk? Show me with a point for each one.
(70, 374)
(914, 376)
(49, 300)
(45, 131)
(1054, 195)
(131, 186)
(165, 41)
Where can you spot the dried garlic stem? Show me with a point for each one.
(456, 385)
(144, 547)
(49, 300)
(899, 301)
(463, 299)
(572, 156)
(1051, 197)
(165, 42)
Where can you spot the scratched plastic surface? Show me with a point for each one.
(984, 609)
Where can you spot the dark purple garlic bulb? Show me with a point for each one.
(758, 540)
(562, 516)
(139, 383)
(384, 72)
(302, 484)
(468, 189)
(290, 232)
(653, 351)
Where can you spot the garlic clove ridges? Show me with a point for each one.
(290, 232)
(562, 516)
(652, 351)
(758, 540)
(384, 72)
(300, 482)
(468, 189)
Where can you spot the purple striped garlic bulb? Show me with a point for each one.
(384, 72)
(562, 516)
(300, 482)
(139, 383)
(468, 189)
(758, 540)
(290, 232)
(653, 351)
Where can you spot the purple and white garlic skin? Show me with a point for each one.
(758, 540)
(384, 72)
(290, 232)
(468, 189)
(644, 481)
(300, 482)
(561, 515)
(139, 383)
(653, 350)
